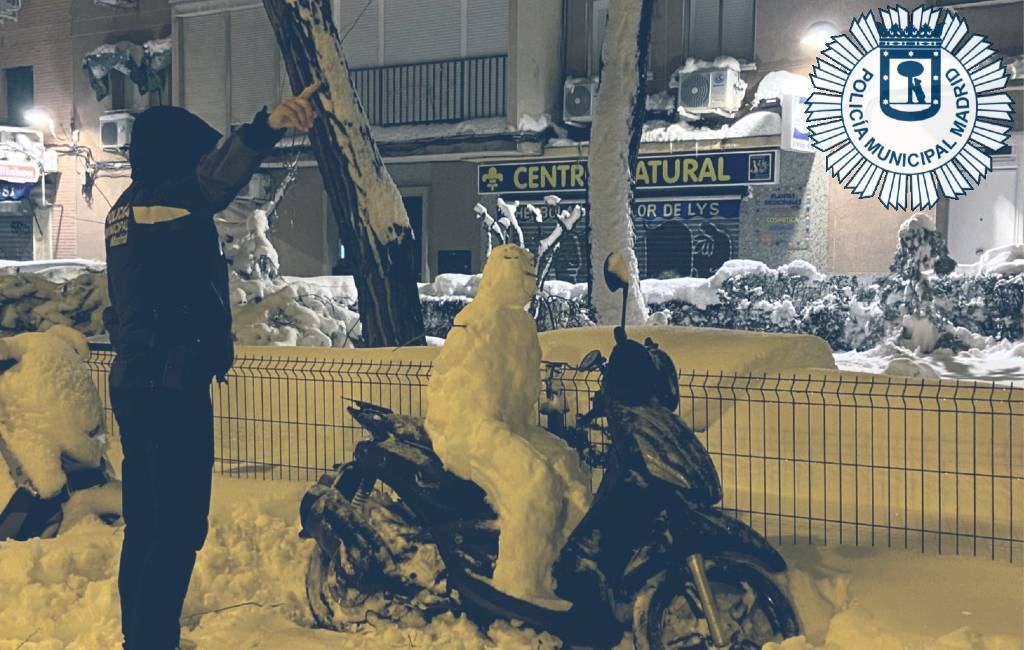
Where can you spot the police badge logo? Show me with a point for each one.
(909, 108)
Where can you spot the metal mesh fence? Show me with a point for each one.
(815, 457)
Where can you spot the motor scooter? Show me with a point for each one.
(653, 554)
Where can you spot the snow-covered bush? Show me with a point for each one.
(439, 313)
(990, 305)
(920, 305)
(32, 302)
(267, 308)
(908, 297)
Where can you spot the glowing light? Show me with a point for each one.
(39, 118)
(819, 34)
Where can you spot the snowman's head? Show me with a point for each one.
(509, 276)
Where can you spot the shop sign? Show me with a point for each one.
(18, 172)
(669, 171)
(795, 136)
(660, 209)
(689, 208)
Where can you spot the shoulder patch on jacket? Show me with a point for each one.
(151, 214)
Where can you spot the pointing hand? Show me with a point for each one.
(296, 112)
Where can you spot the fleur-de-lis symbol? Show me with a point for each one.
(492, 178)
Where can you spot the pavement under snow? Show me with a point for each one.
(248, 592)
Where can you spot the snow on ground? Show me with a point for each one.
(873, 598)
(1001, 361)
(1006, 260)
(62, 593)
(248, 592)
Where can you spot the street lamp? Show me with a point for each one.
(819, 34)
(40, 118)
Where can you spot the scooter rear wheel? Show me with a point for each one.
(754, 610)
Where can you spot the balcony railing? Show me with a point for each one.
(435, 91)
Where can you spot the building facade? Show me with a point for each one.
(462, 92)
(42, 47)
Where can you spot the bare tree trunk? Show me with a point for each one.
(371, 218)
(619, 110)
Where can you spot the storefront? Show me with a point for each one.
(687, 216)
(17, 179)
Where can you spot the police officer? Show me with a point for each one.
(170, 325)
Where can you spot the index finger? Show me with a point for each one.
(308, 91)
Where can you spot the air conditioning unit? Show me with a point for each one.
(258, 188)
(116, 130)
(578, 100)
(712, 90)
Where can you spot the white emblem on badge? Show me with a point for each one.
(909, 108)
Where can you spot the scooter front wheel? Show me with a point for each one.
(753, 610)
(330, 600)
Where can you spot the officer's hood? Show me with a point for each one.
(167, 142)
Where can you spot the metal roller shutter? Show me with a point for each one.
(15, 231)
(416, 31)
(362, 44)
(254, 64)
(204, 49)
(685, 247)
(486, 27)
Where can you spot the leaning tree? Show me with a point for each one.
(619, 111)
(372, 221)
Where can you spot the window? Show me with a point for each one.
(716, 28)
(20, 92)
(125, 95)
(385, 32)
(231, 66)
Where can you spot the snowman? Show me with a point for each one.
(481, 415)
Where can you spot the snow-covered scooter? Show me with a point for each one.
(35, 494)
(653, 554)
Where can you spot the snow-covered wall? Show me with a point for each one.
(699, 349)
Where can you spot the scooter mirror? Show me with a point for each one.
(616, 275)
(591, 361)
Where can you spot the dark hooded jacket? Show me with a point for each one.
(170, 316)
